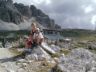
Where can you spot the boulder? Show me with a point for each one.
(38, 54)
(55, 48)
(79, 60)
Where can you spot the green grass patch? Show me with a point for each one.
(65, 51)
(55, 55)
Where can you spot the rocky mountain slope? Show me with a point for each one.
(18, 13)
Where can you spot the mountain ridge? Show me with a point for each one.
(17, 13)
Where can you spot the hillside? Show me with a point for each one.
(77, 32)
(64, 32)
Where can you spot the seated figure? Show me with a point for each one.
(35, 38)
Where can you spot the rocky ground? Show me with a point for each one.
(37, 61)
(72, 59)
(78, 60)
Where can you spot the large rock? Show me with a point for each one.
(79, 60)
(37, 61)
(39, 54)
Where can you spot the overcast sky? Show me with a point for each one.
(68, 13)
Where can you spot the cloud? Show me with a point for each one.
(68, 13)
(11, 26)
(93, 20)
(35, 2)
(88, 9)
(8, 26)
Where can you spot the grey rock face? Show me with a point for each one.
(38, 54)
(79, 60)
(55, 48)
(17, 13)
(42, 18)
(9, 13)
(31, 63)
(24, 10)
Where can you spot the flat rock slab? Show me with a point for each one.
(3, 69)
(47, 48)
(6, 53)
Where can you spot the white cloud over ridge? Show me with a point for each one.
(8, 26)
(11, 26)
